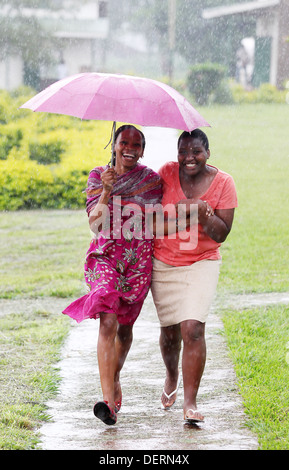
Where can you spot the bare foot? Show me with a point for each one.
(117, 396)
(169, 395)
(193, 416)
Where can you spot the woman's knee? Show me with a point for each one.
(170, 337)
(108, 325)
(192, 331)
(124, 333)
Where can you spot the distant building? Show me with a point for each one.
(83, 34)
(271, 60)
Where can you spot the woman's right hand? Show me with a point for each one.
(108, 178)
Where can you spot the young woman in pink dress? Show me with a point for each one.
(118, 264)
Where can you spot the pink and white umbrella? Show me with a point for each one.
(123, 98)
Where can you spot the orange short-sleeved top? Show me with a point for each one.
(220, 195)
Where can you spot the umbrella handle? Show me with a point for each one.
(112, 143)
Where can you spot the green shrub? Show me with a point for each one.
(70, 187)
(24, 184)
(266, 93)
(47, 152)
(223, 94)
(45, 158)
(5, 107)
(9, 138)
(203, 79)
(27, 185)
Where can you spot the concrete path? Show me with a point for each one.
(142, 424)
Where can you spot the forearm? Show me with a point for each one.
(215, 227)
(98, 211)
(216, 224)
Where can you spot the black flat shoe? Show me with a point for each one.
(102, 411)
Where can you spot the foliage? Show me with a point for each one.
(5, 104)
(197, 39)
(45, 159)
(203, 79)
(25, 35)
(10, 136)
(22, 35)
(222, 94)
(46, 151)
(266, 93)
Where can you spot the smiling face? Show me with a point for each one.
(128, 150)
(192, 156)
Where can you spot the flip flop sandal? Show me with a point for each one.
(171, 394)
(102, 411)
(193, 420)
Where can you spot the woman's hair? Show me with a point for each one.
(195, 134)
(130, 126)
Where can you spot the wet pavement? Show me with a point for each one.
(142, 423)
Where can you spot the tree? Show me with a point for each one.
(22, 34)
(216, 40)
(197, 40)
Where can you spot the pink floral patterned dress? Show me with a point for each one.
(118, 263)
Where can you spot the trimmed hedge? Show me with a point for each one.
(203, 79)
(45, 159)
(9, 137)
(266, 93)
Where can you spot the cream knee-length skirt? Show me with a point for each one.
(184, 292)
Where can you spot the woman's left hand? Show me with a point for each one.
(184, 206)
(209, 210)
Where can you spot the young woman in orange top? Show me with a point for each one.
(185, 272)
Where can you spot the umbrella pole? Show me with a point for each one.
(112, 143)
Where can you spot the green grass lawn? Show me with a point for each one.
(252, 144)
(29, 350)
(42, 254)
(259, 346)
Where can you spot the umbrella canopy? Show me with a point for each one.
(122, 98)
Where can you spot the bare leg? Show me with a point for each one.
(106, 354)
(193, 363)
(170, 345)
(123, 343)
